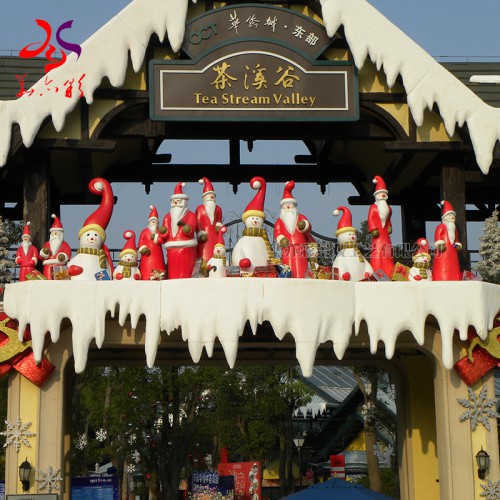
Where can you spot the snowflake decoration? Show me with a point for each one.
(368, 387)
(478, 408)
(130, 468)
(17, 434)
(97, 467)
(49, 480)
(81, 441)
(136, 456)
(132, 439)
(131, 484)
(101, 435)
(383, 453)
(491, 490)
(368, 411)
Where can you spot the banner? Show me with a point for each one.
(247, 479)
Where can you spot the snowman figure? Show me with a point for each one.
(93, 259)
(217, 264)
(421, 269)
(253, 248)
(349, 264)
(127, 268)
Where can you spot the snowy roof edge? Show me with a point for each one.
(368, 33)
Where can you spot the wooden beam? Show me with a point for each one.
(383, 97)
(100, 145)
(426, 147)
(121, 94)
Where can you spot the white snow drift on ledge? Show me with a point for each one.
(312, 311)
(368, 33)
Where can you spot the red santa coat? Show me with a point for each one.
(381, 256)
(26, 261)
(206, 249)
(154, 260)
(446, 264)
(51, 259)
(181, 248)
(295, 255)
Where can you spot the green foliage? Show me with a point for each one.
(489, 249)
(364, 239)
(390, 484)
(14, 230)
(6, 262)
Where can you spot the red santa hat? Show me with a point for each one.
(153, 214)
(220, 237)
(345, 222)
(207, 186)
(178, 193)
(380, 185)
(129, 246)
(447, 209)
(256, 207)
(287, 193)
(56, 226)
(27, 231)
(99, 220)
(422, 250)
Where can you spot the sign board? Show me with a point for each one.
(28, 496)
(2, 490)
(337, 466)
(247, 478)
(94, 488)
(253, 63)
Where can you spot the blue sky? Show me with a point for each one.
(456, 30)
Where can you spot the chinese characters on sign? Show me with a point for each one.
(49, 50)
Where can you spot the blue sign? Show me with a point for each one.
(2, 490)
(94, 488)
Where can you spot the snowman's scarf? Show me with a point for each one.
(127, 267)
(103, 261)
(422, 266)
(223, 257)
(352, 244)
(261, 232)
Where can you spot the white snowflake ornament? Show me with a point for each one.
(101, 435)
(491, 490)
(136, 456)
(17, 434)
(81, 441)
(49, 480)
(479, 408)
(130, 468)
(132, 439)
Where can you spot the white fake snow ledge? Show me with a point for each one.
(368, 33)
(313, 311)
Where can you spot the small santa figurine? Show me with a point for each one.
(128, 267)
(92, 259)
(209, 220)
(178, 234)
(446, 264)
(380, 227)
(292, 232)
(421, 269)
(349, 264)
(26, 255)
(56, 252)
(253, 248)
(152, 264)
(216, 265)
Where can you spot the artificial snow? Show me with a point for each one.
(368, 33)
(312, 311)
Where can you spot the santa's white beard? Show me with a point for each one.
(25, 246)
(55, 244)
(451, 228)
(153, 228)
(289, 217)
(177, 213)
(383, 210)
(210, 208)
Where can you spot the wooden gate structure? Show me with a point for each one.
(366, 100)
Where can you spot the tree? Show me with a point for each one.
(489, 249)
(6, 262)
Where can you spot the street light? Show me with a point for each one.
(24, 474)
(299, 442)
(483, 463)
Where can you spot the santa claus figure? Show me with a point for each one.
(26, 255)
(349, 264)
(179, 235)
(292, 232)
(216, 265)
(93, 260)
(152, 264)
(380, 227)
(421, 269)
(209, 220)
(128, 267)
(56, 252)
(253, 248)
(446, 264)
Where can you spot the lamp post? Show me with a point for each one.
(483, 463)
(24, 474)
(299, 442)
